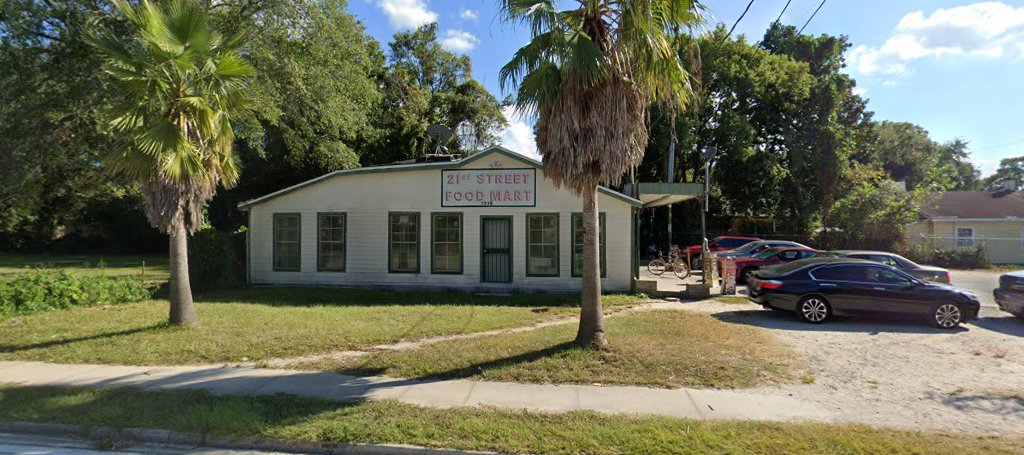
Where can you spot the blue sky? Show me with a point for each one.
(953, 67)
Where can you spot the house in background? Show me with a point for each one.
(993, 220)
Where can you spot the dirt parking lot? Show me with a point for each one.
(904, 373)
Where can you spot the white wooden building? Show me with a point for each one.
(488, 222)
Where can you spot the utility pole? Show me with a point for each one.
(670, 176)
(709, 154)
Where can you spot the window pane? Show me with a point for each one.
(840, 273)
(286, 242)
(447, 246)
(331, 242)
(542, 245)
(404, 242)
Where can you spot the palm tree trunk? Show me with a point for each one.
(591, 331)
(183, 312)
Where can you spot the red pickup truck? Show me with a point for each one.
(722, 243)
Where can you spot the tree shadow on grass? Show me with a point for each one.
(182, 410)
(325, 296)
(10, 348)
(368, 368)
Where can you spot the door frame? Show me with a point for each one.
(483, 239)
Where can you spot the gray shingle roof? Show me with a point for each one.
(974, 204)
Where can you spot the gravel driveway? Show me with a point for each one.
(904, 373)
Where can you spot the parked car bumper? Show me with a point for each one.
(773, 300)
(1010, 301)
(971, 311)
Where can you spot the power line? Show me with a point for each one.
(784, 8)
(734, 24)
(815, 13)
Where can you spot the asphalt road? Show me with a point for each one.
(981, 282)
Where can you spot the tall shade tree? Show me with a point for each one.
(589, 74)
(182, 82)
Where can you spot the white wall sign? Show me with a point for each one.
(489, 187)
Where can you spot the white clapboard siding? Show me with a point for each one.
(367, 198)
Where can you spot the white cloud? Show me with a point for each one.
(987, 30)
(459, 41)
(859, 91)
(407, 13)
(518, 136)
(469, 15)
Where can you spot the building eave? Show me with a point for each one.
(1010, 219)
(245, 205)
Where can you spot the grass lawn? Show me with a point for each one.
(735, 299)
(658, 348)
(108, 265)
(262, 323)
(291, 418)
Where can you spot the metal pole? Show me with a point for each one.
(703, 227)
(670, 178)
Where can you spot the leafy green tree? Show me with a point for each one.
(426, 84)
(825, 134)
(182, 83)
(315, 89)
(50, 136)
(1009, 168)
(906, 153)
(590, 73)
(742, 102)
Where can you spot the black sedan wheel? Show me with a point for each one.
(947, 316)
(814, 310)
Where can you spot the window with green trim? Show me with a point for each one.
(404, 244)
(577, 244)
(287, 241)
(542, 244)
(330, 251)
(446, 247)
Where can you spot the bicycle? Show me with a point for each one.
(680, 268)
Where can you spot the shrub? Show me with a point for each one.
(960, 258)
(216, 259)
(42, 291)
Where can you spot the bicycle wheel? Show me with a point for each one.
(681, 269)
(656, 267)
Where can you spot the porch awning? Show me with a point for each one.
(659, 194)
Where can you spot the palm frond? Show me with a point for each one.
(183, 82)
(591, 73)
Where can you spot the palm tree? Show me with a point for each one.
(590, 74)
(181, 83)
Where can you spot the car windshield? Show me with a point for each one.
(906, 263)
(766, 253)
(748, 247)
(731, 243)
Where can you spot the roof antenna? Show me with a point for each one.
(440, 134)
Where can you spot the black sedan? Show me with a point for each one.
(924, 272)
(1010, 293)
(818, 288)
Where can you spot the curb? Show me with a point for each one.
(160, 436)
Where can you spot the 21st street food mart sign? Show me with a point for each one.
(489, 187)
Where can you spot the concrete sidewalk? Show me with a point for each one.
(691, 403)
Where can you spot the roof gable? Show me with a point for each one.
(974, 204)
(490, 151)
